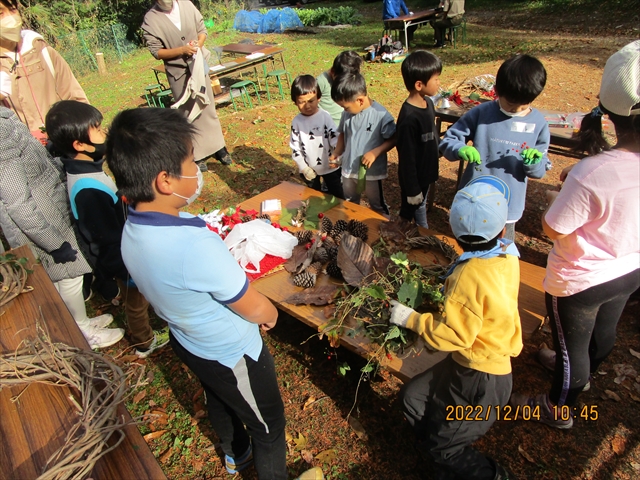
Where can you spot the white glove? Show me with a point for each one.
(417, 200)
(400, 313)
(309, 173)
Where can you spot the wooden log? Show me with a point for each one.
(102, 66)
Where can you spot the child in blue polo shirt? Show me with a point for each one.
(214, 314)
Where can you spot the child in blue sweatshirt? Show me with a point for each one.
(510, 139)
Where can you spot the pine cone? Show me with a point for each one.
(339, 227)
(338, 238)
(315, 268)
(326, 225)
(333, 270)
(321, 255)
(264, 216)
(303, 236)
(332, 251)
(358, 229)
(246, 218)
(304, 280)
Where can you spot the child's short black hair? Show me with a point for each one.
(68, 121)
(142, 142)
(346, 62)
(303, 85)
(419, 66)
(11, 4)
(347, 87)
(464, 242)
(521, 79)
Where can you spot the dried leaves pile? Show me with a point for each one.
(372, 277)
(97, 386)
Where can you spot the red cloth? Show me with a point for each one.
(268, 263)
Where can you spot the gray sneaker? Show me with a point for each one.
(542, 410)
(547, 359)
(202, 165)
(160, 339)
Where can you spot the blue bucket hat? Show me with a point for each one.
(480, 208)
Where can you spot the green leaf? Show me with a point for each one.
(343, 368)
(188, 441)
(393, 333)
(400, 258)
(410, 293)
(367, 368)
(362, 178)
(376, 291)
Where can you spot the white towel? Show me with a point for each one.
(196, 88)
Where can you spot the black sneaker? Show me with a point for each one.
(223, 156)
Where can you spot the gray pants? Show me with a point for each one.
(444, 433)
(373, 190)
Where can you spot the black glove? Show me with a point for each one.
(64, 254)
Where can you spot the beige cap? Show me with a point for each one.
(620, 87)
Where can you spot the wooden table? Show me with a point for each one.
(279, 286)
(403, 22)
(235, 65)
(243, 48)
(34, 427)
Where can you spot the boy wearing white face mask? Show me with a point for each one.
(33, 76)
(214, 313)
(510, 138)
(75, 129)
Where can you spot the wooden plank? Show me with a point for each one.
(38, 421)
(279, 286)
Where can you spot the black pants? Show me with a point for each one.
(247, 395)
(440, 27)
(431, 397)
(584, 332)
(333, 182)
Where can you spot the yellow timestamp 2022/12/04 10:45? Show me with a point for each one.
(519, 412)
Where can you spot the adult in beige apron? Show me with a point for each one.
(173, 32)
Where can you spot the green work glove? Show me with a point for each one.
(531, 156)
(362, 179)
(470, 154)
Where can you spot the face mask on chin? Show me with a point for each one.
(10, 27)
(165, 5)
(196, 194)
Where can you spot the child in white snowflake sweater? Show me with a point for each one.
(313, 137)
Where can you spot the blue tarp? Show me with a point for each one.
(275, 21)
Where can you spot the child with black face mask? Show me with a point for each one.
(75, 129)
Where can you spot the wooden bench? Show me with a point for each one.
(35, 420)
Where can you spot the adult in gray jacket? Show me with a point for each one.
(34, 210)
(174, 33)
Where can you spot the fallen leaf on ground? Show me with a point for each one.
(307, 456)
(153, 435)
(200, 414)
(310, 401)
(634, 353)
(612, 395)
(314, 296)
(635, 466)
(198, 394)
(301, 442)
(129, 358)
(166, 455)
(618, 444)
(327, 456)
(526, 455)
(357, 427)
(139, 396)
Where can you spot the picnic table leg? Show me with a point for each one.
(406, 37)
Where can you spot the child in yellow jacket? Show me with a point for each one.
(455, 402)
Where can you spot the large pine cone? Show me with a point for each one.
(303, 236)
(304, 280)
(358, 229)
(326, 225)
(333, 270)
(339, 227)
